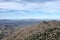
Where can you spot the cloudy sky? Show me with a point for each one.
(29, 9)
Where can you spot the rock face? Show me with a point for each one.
(46, 30)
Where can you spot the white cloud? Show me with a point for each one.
(10, 5)
(10, 0)
(1, 10)
(53, 6)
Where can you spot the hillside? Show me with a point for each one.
(5, 31)
(46, 30)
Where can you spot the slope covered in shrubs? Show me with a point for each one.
(46, 30)
(50, 34)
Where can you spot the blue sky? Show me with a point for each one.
(29, 9)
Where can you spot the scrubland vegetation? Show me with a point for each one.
(45, 30)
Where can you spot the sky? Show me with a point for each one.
(29, 9)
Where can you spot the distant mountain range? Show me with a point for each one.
(18, 23)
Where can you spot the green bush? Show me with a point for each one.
(50, 34)
(1, 36)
